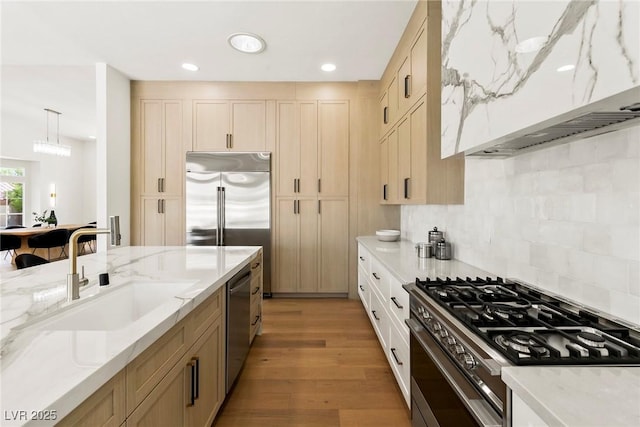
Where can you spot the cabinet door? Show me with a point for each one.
(393, 100)
(207, 353)
(392, 188)
(308, 231)
(152, 227)
(404, 159)
(288, 146)
(211, 121)
(385, 120)
(174, 227)
(161, 146)
(404, 86)
(418, 182)
(287, 244)
(418, 66)
(334, 245)
(248, 125)
(308, 131)
(333, 135)
(167, 403)
(384, 171)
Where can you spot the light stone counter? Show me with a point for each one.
(579, 396)
(57, 370)
(401, 259)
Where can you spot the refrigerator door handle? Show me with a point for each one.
(219, 195)
(223, 222)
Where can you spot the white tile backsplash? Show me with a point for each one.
(565, 218)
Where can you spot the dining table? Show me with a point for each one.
(26, 232)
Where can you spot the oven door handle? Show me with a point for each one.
(481, 410)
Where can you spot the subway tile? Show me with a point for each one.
(624, 306)
(625, 242)
(634, 277)
(611, 273)
(598, 177)
(598, 239)
(626, 175)
(618, 208)
(613, 145)
(583, 207)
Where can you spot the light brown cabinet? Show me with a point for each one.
(158, 151)
(220, 125)
(255, 318)
(333, 247)
(333, 148)
(412, 170)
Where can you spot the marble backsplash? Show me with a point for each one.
(566, 219)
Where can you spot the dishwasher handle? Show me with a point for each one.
(239, 280)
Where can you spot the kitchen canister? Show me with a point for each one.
(435, 235)
(443, 250)
(425, 249)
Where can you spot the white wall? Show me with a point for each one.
(113, 182)
(566, 218)
(74, 205)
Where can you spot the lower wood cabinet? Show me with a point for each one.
(178, 381)
(255, 318)
(161, 221)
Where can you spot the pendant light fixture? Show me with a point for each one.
(46, 147)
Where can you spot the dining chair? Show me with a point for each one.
(11, 227)
(9, 243)
(29, 260)
(88, 240)
(52, 239)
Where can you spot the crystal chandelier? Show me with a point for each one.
(46, 147)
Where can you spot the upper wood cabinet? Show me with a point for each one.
(389, 106)
(313, 148)
(297, 148)
(413, 171)
(220, 125)
(161, 149)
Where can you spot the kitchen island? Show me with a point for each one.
(46, 371)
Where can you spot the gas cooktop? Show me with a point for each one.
(532, 328)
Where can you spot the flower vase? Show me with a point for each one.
(52, 220)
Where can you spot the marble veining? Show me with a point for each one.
(489, 89)
(57, 369)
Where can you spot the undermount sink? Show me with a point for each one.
(117, 308)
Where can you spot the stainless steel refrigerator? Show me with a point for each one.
(229, 202)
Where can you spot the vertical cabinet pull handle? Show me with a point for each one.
(162, 181)
(319, 209)
(295, 185)
(406, 188)
(374, 315)
(159, 185)
(196, 395)
(255, 321)
(192, 389)
(385, 115)
(159, 206)
(229, 142)
(396, 302)
(319, 185)
(407, 86)
(393, 351)
(384, 192)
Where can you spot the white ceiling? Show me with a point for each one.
(49, 48)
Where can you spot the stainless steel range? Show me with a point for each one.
(463, 331)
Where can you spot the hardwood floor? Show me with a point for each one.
(317, 363)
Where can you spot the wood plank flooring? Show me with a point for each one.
(318, 363)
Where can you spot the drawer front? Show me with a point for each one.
(379, 278)
(203, 315)
(398, 355)
(148, 369)
(255, 320)
(363, 288)
(364, 259)
(380, 320)
(398, 306)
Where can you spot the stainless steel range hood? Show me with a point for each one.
(607, 115)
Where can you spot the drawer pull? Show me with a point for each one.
(256, 290)
(393, 352)
(361, 258)
(396, 303)
(256, 265)
(255, 321)
(361, 288)
(376, 276)
(374, 315)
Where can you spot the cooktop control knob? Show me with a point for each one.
(437, 327)
(458, 349)
(450, 341)
(469, 361)
(443, 334)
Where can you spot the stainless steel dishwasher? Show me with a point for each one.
(238, 313)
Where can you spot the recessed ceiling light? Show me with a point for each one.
(328, 67)
(190, 67)
(533, 44)
(567, 67)
(247, 42)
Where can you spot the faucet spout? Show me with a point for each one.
(73, 279)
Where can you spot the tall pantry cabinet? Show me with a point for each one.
(312, 197)
(158, 179)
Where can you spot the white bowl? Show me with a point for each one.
(388, 235)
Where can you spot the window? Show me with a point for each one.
(11, 196)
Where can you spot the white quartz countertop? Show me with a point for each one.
(579, 396)
(401, 259)
(58, 369)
